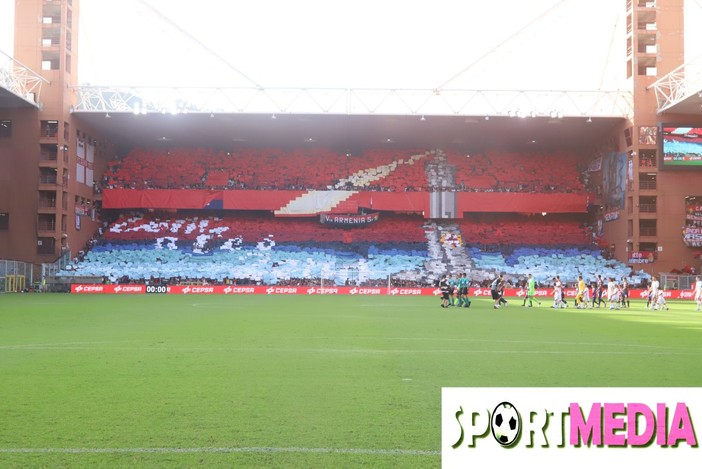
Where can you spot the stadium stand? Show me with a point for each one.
(254, 246)
(267, 168)
(524, 230)
(254, 227)
(323, 169)
(544, 263)
(516, 172)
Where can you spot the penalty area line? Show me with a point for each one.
(219, 450)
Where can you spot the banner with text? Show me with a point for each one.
(545, 294)
(692, 230)
(350, 220)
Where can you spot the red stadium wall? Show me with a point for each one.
(19, 178)
(251, 200)
(415, 202)
(521, 202)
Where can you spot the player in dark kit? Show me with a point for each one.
(597, 294)
(445, 291)
(495, 291)
(625, 293)
(502, 301)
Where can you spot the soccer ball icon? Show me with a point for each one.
(506, 424)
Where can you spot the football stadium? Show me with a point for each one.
(280, 235)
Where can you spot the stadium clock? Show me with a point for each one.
(156, 289)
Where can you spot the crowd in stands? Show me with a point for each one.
(323, 169)
(254, 227)
(516, 172)
(546, 262)
(264, 169)
(248, 248)
(258, 248)
(536, 230)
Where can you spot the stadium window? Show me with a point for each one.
(45, 245)
(49, 129)
(50, 60)
(4, 221)
(50, 64)
(5, 128)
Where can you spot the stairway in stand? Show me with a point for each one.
(447, 254)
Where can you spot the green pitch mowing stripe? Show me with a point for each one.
(294, 381)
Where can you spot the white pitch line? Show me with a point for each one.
(89, 345)
(391, 305)
(492, 341)
(477, 351)
(215, 306)
(61, 345)
(354, 350)
(262, 449)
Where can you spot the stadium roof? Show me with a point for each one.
(19, 86)
(348, 133)
(680, 91)
(250, 65)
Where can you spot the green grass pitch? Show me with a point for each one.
(294, 381)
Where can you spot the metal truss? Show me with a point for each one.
(678, 85)
(354, 101)
(20, 80)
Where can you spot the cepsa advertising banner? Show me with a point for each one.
(570, 427)
(251, 290)
(545, 294)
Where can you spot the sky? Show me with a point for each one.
(389, 44)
